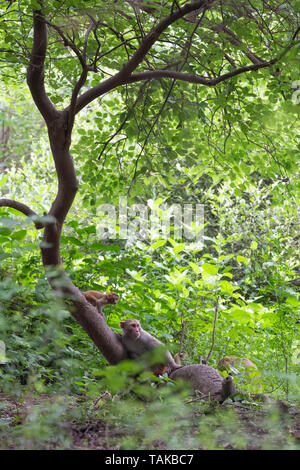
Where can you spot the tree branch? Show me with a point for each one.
(126, 75)
(67, 42)
(234, 39)
(149, 133)
(72, 108)
(205, 361)
(188, 77)
(128, 115)
(122, 76)
(35, 71)
(155, 32)
(19, 206)
(116, 80)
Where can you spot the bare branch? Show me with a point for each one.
(129, 113)
(123, 43)
(182, 333)
(86, 38)
(149, 133)
(79, 84)
(234, 39)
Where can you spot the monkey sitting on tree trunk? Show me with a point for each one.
(137, 342)
(99, 300)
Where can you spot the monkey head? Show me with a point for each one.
(112, 298)
(131, 328)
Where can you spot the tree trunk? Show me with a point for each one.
(107, 341)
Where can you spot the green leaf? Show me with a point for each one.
(242, 259)
(241, 315)
(210, 269)
(158, 244)
(253, 245)
(5, 231)
(293, 301)
(195, 267)
(227, 275)
(178, 248)
(19, 235)
(227, 287)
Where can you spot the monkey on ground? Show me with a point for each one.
(227, 362)
(137, 341)
(178, 357)
(99, 300)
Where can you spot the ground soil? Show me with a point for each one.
(97, 434)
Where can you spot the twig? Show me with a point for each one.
(199, 398)
(131, 110)
(183, 323)
(149, 133)
(205, 361)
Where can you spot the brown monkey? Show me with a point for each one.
(137, 341)
(160, 369)
(233, 361)
(178, 357)
(99, 300)
(227, 361)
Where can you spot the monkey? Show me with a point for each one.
(137, 341)
(230, 361)
(227, 361)
(178, 357)
(160, 369)
(99, 300)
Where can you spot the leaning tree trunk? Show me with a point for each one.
(87, 316)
